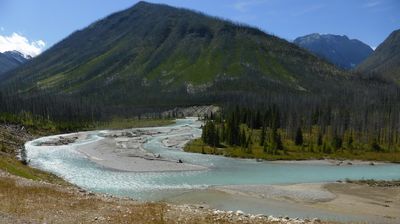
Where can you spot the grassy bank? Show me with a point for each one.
(39, 203)
(12, 166)
(16, 130)
(123, 123)
(40, 126)
(290, 152)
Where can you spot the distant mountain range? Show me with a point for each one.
(385, 61)
(10, 60)
(339, 50)
(156, 54)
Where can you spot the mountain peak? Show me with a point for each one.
(154, 51)
(143, 5)
(10, 60)
(337, 49)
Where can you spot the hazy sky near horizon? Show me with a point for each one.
(35, 25)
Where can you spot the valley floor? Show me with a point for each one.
(28, 195)
(27, 201)
(378, 204)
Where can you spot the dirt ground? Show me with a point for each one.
(28, 201)
(364, 199)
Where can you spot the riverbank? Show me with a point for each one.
(338, 202)
(41, 202)
(123, 150)
(292, 153)
(146, 144)
(29, 195)
(52, 203)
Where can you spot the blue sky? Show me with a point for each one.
(38, 24)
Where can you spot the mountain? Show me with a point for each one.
(10, 60)
(158, 54)
(385, 61)
(339, 50)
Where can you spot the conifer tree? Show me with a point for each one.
(299, 137)
(262, 137)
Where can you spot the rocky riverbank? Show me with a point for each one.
(377, 183)
(57, 141)
(41, 202)
(123, 150)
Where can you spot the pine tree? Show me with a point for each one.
(265, 148)
(243, 138)
(275, 141)
(350, 141)
(299, 137)
(319, 141)
(210, 134)
(279, 144)
(375, 146)
(249, 144)
(262, 137)
(337, 142)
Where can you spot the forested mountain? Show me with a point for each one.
(385, 61)
(131, 57)
(10, 60)
(339, 50)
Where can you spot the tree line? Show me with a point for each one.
(353, 121)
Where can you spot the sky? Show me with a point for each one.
(32, 26)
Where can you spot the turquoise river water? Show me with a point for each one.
(68, 163)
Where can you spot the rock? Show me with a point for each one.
(59, 141)
(129, 134)
(316, 220)
(239, 212)
(273, 219)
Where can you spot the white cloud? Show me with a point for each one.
(309, 9)
(243, 5)
(371, 4)
(20, 43)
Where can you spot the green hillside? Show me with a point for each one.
(132, 56)
(385, 61)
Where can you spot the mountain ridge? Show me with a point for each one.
(152, 49)
(10, 60)
(385, 61)
(338, 49)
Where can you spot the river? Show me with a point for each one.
(66, 161)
